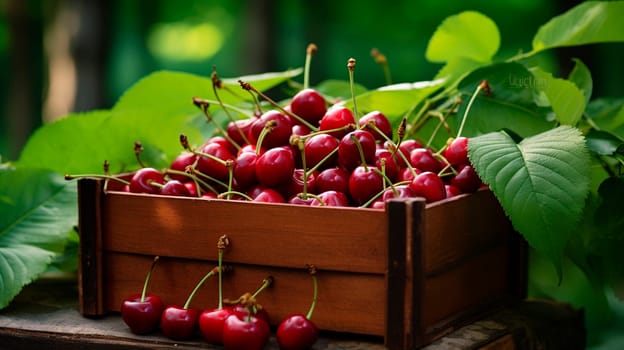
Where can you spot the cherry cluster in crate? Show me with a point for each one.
(312, 153)
(241, 324)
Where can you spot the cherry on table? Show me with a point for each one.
(141, 312)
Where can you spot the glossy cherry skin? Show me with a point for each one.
(179, 323)
(335, 118)
(424, 159)
(400, 191)
(211, 323)
(310, 105)
(349, 155)
(175, 188)
(140, 181)
(142, 316)
(180, 163)
(275, 167)
(330, 199)
(429, 185)
(466, 179)
(295, 186)
(406, 147)
(191, 186)
(238, 130)
(243, 332)
(364, 184)
(452, 191)
(245, 169)
(381, 122)
(390, 165)
(333, 179)
(296, 332)
(279, 134)
(269, 195)
(317, 148)
(213, 165)
(456, 153)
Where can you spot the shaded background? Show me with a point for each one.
(62, 56)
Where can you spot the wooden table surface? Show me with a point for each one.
(45, 316)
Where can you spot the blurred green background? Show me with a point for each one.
(62, 56)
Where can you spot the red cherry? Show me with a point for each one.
(310, 105)
(269, 195)
(330, 199)
(275, 167)
(456, 153)
(364, 184)
(381, 122)
(175, 188)
(191, 186)
(400, 191)
(245, 169)
(179, 323)
(428, 185)
(466, 179)
(245, 332)
(238, 130)
(142, 315)
(318, 147)
(212, 164)
(350, 155)
(425, 160)
(180, 163)
(140, 181)
(391, 167)
(295, 186)
(336, 179)
(223, 142)
(211, 323)
(278, 134)
(300, 200)
(335, 118)
(406, 147)
(452, 191)
(296, 332)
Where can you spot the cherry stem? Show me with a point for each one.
(310, 51)
(99, 176)
(147, 278)
(312, 269)
(222, 244)
(201, 282)
(138, 149)
(203, 105)
(228, 195)
(483, 85)
(351, 68)
(381, 59)
(268, 127)
(360, 151)
(301, 147)
(249, 87)
(318, 165)
(265, 284)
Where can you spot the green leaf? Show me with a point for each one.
(468, 34)
(338, 89)
(581, 76)
(588, 23)
(541, 183)
(603, 142)
(172, 92)
(511, 104)
(564, 97)
(34, 225)
(395, 100)
(607, 114)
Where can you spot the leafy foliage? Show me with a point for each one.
(541, 182)
(38, 211)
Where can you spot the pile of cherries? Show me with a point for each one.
(241, 324)
(312, 153)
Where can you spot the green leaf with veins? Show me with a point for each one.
(565, 98)
(34, 225)
(541, 183)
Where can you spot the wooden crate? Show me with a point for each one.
(410, 273)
